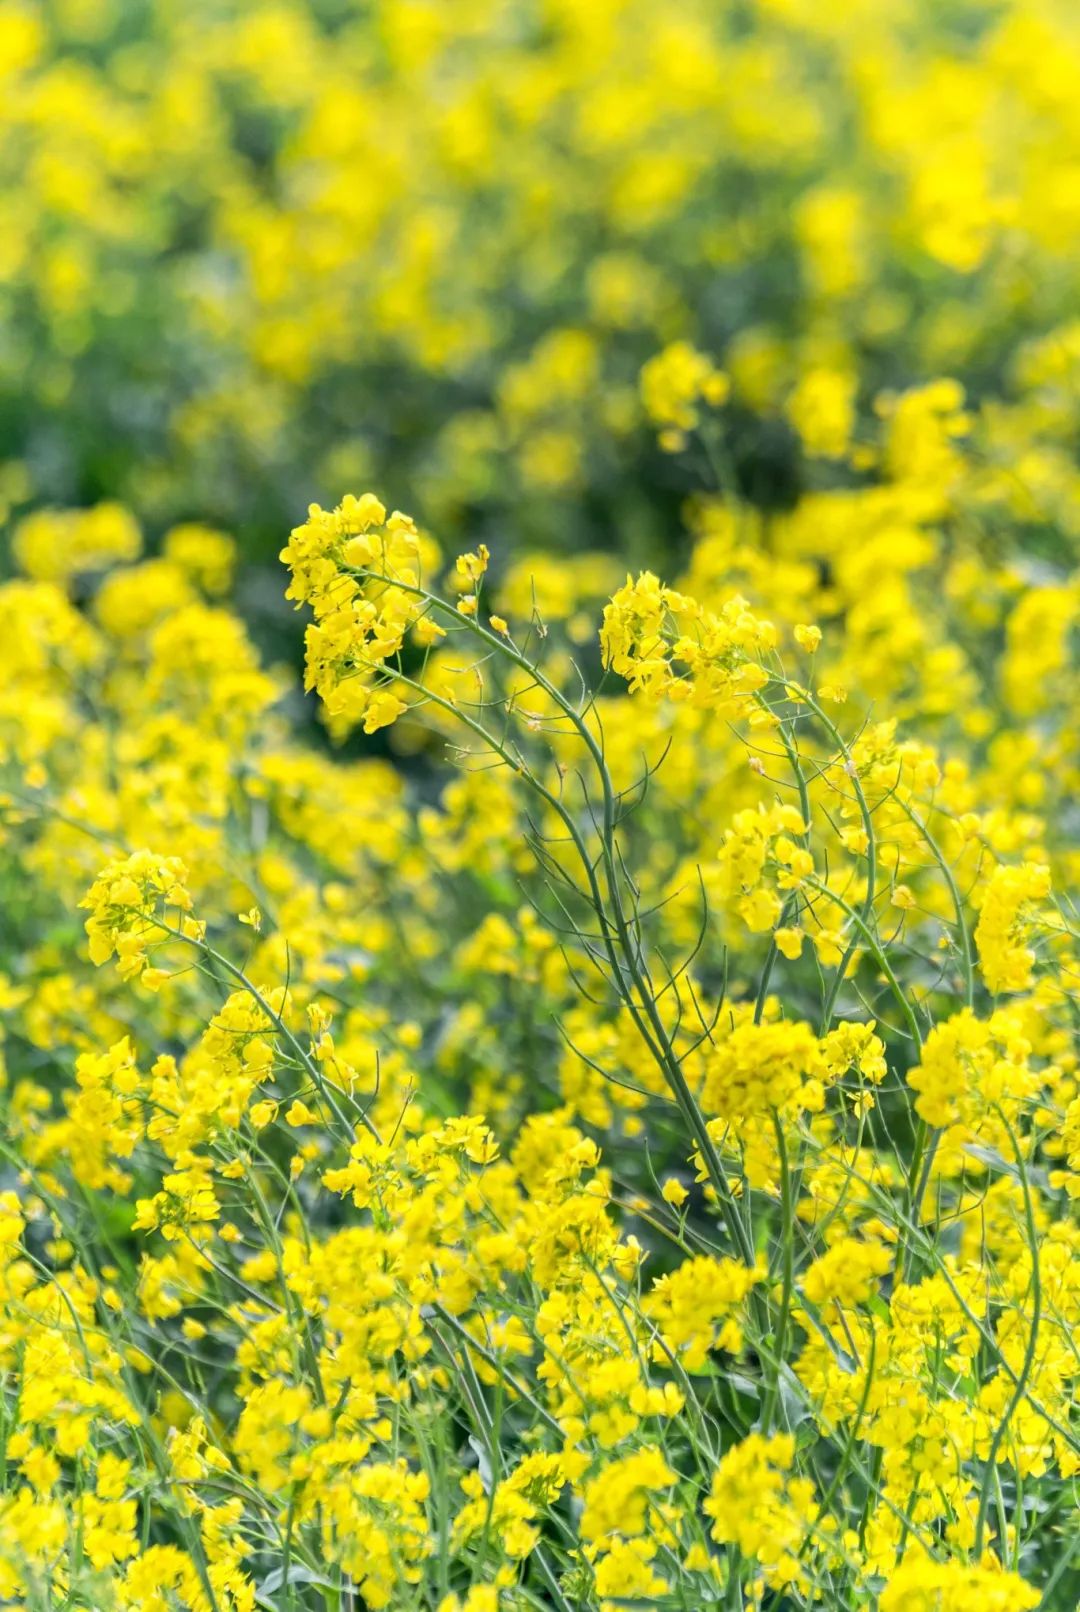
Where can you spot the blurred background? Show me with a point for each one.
(256, 254)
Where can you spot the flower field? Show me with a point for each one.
(539, 1034)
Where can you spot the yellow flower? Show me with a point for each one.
(1006, 916)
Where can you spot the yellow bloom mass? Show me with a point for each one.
(538, 1037)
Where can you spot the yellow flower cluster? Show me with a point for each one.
(133, 902)
(755, 1505)
(921, 1585)
(1005, 960)
(52, 545)
(672, 384)
(649, 630)
(356, 629)
(603, 1130)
